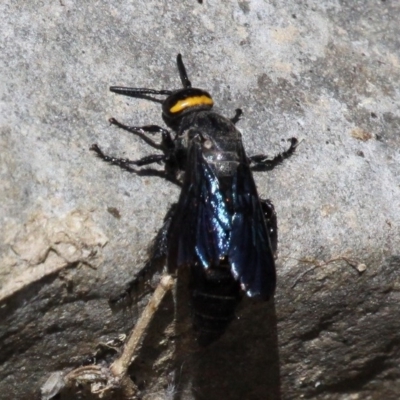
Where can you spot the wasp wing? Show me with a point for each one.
(250, 251)
(200, 229)
(205, 230)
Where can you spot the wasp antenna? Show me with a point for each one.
(138, 92)
(182, 72)
(298, 142)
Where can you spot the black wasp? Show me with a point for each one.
(219, 229)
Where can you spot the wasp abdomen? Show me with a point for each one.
(215, 295)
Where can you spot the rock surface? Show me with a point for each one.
(75, 230)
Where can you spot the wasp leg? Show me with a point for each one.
(166, 143)
(271, 222)
(125, 163)
(236, 117)
(168, 174)
(140, 285)
(262, 163)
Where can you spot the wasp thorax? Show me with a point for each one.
(188, 99)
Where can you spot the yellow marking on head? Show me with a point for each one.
(191, 102)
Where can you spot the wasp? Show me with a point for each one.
(219, 229)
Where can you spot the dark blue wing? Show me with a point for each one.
(205, 230)
(250, 251)
(200, 229)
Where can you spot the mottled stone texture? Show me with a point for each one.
(75, 230)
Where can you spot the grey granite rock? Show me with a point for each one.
(75, 230)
